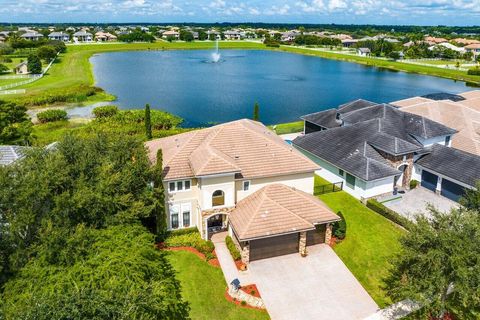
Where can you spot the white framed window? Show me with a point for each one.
(246, 185)
(174, 219)
(186, 210)
(179, 186)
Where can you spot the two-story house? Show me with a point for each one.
(242, 177)
(372, 148)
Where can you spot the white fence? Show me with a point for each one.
(19, 76)
(21, 83)
(18, 91)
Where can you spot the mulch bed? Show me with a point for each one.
(239, 303)
(252, 290)
(333, 241)
(239, 265)
(214, 262)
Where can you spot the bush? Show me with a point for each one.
(34, 64)
(474, 71)
(190, 238)
(413, 184)
(388, 213)
(74, 94)
(232, 248)
(340, 227)
(52, 115)
(105, 111)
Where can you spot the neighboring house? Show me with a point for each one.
(22, 68)
(369, 147)
(59, 36)
(216, 34)
(364, 52)
(464, 41)
(171, 34)
(105, 36)
(460, 112)
(82, 36)
(232, 35)
(10, 154)
(217, 177)
(434, 40)
(289, 35)
(473, 48)
(33, 36)
(447, 46)
(347, 43)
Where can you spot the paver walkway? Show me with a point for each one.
(316, 287)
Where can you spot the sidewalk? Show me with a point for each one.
(227, 264)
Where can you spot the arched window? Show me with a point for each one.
(218, 198)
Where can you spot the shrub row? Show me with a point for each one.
(340, 227)
(474, 71)
(191, 238)
(232, 248)
(105, 111)
(52, 115)
(388, 213)
(75, 94)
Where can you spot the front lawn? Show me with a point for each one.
(203, 286)
(371, 241)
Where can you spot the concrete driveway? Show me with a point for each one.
(316, 287)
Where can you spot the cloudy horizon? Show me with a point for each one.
(408, 12)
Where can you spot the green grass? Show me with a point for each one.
(46, 133)
(203, 286)
(289, 127)
(371, 241)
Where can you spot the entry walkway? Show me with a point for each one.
(227, 264)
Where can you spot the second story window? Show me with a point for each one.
(178, 186)
(246, 185)
(218, 198)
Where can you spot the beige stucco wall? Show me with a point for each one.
(184, 197)
(301, 181)
(211, 184)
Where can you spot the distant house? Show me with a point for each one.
(473, 48)
(364, 52)
(289, 35)
(2, 39)
(59, 36)
(232, 35)
(195, 35)
(433, 40)
(447, 46)
(213, 33)
(464, 41)
(347, 43)
(32, 36)
(171, 34)
(22, 68)
(105, 36)
(82, 36)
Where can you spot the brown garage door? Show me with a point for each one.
(274, 246)
(316, 236)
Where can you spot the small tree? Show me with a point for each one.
(47, 53)
(471, 198)
(340, 227)
(148, 122)
(34, 64)
(159, 194)
(4, 68)
(256, 112)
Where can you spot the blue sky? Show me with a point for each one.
(418, 12)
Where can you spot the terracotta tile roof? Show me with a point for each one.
(244, 146)
(463, 116)
(277, 209)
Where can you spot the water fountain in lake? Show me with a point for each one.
(216, 55)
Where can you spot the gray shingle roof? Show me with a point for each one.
(10, 154)
(324, 119)
(347, 148)
(453, 163)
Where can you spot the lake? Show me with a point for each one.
(285, 85)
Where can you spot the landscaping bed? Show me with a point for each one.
(251, 289)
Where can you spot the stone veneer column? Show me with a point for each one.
(302, 245)
(245, 253)
(328, 233)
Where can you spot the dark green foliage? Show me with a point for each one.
(438, 266)
(471, 198)
(112, 273)
(52, 115)
(256, 112)
(232, 248)
(340, 227)
(47, 52)
(474, 71)
(105, 111)
(314, 40)
(190, 239)
(394, 55)
(413, 184)
(4, 68)
(15, 126)
(96, 181)
(73, 94)
(136, 36)
(180, 232)
(59, 46)
(271, 43)
(34, 64)
(388, 213)
(159, 194)
(186, 36)
(148, 122)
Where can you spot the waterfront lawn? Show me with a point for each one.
(203, 286)
(289, 127)
(370, 242)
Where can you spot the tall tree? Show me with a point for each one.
(15, 126)
(256, 112)
(439, 265)
(148, 122)
(159, 193)
(34, 64)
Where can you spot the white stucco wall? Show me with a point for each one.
(301, 181)
(208, 185)
(180, 198)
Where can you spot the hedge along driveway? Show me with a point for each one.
(370, 242)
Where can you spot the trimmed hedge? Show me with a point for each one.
(340, 227)
(52, 115)
(388, 213)
(105, 111)
(474, 71)
(190, 238)
(232, 248)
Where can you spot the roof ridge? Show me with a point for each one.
(261, 195)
